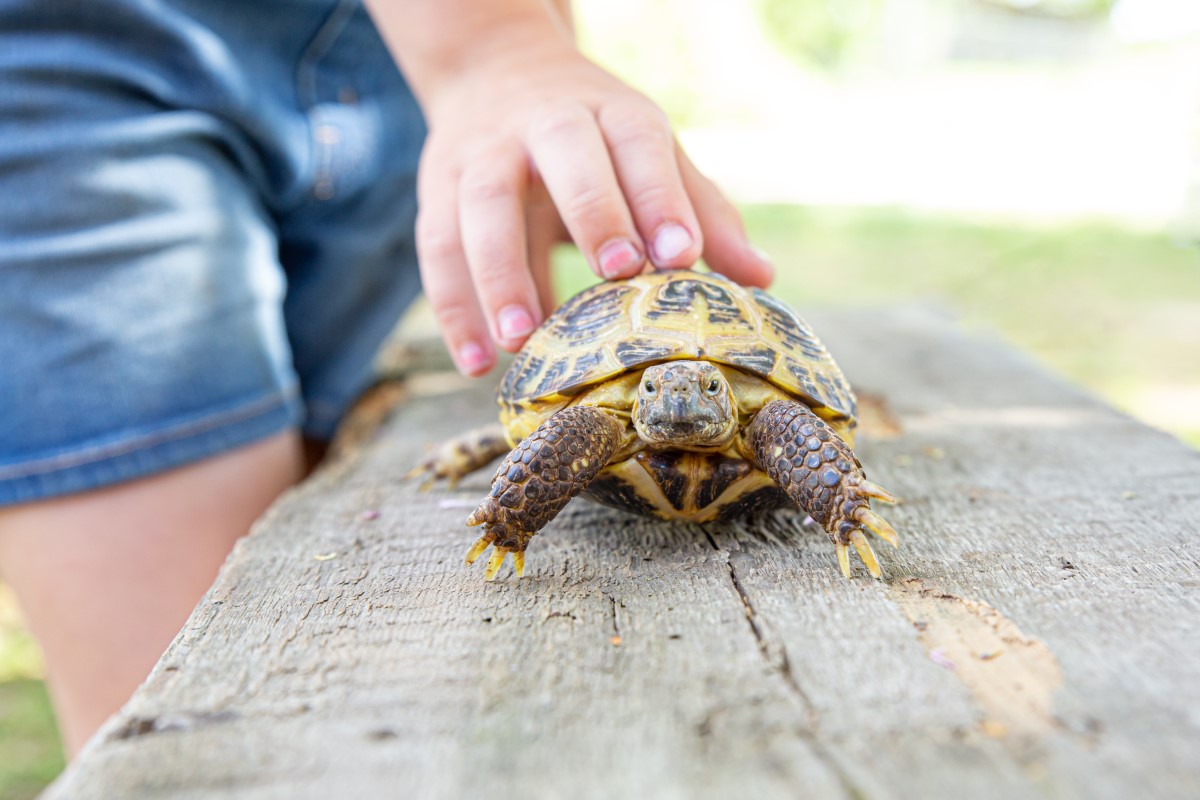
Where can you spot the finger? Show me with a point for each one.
(542, 233)
(571, 156)
(491, 206)
(446, 279)
(643, 154)
(726, 248)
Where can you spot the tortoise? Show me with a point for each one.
(675, 394)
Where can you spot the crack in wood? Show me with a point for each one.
(612, 611)
(781, 665)
(168, 723)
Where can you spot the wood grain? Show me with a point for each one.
(1035, 636)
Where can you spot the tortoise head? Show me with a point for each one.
(685, 403)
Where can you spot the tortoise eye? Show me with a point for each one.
(714, 387)
(649, 387)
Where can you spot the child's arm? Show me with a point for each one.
(514, 111)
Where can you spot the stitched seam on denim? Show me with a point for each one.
(321, 43)
(320, 155)
(93, 454)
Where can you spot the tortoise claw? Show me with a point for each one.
(497, 559)
(872, 489)
(877, 525)
(481, 544)
(432, 470)
(843, 556)
(495, 562)
(421, 470)
(865, 553)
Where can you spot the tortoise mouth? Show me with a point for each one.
(672, 428)
(684, 432)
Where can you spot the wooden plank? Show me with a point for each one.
(1036, 635)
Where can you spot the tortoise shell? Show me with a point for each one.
(619, 326)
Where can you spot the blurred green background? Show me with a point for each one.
(1030, 166)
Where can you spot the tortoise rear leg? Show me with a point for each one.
(462, 455)
(815, 467)
(549, 467)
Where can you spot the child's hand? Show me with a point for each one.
(527, 114)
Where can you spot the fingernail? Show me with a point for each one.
(514, 322)
(617, 257)
(671, 240)
(472, 358)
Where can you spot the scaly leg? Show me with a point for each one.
(549, 467)
(462, 455)
(820, 473)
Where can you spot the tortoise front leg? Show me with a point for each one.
(820, 473)
(549, 467)
(462, 455)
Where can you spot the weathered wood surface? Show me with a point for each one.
(1037, 635)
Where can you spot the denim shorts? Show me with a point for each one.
(206, 228)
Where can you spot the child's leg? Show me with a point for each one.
(201, 248)
(106, 578)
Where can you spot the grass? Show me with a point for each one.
(1112, 309)
(30, 755)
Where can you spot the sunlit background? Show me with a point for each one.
(1031, 167)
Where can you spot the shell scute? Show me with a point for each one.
(682, 296)
(642, 351)
(590, 316)
(758, 359)
(787, 325)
